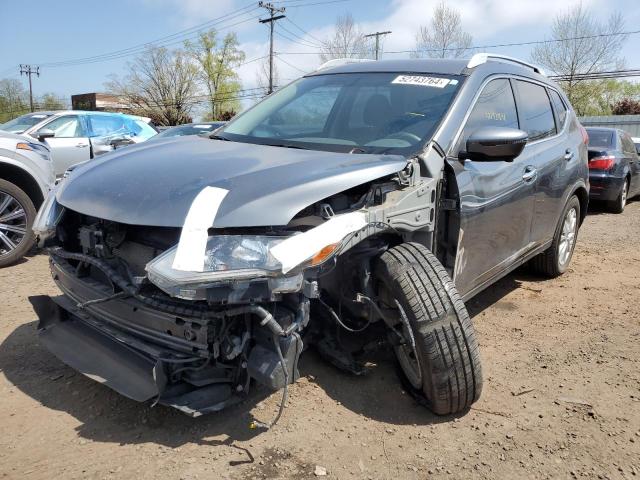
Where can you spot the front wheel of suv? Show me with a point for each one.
(17, 214)
(554, 261)
(433, 337)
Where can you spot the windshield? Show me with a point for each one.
(352, 112)
(24, 122)
(191, 129)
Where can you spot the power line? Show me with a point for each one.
(377, 35)
(271, 21)
(304, 31)
(29, 71)
(291, 65)
(302, 39)
(163, 41)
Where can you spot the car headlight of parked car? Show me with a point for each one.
(36, 148)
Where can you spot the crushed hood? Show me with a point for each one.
(154, 183)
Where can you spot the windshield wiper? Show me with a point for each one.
(286, 145)
(213, 136)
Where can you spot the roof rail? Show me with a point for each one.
(337, 62)
(480, 58)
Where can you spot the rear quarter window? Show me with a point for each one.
(559, 107)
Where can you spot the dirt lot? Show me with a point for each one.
(561, 396)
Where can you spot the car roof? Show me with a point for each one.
(417, 65)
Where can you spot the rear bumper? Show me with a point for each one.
(604, 187)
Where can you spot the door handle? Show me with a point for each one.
(82, 145)
(530, 173)
(568, 154)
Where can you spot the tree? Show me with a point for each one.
(14, 99)
(51, 101)
(580, 44)
(160, 84)
(348, 41)
(216, 66)
(445, 37)
(262, 77)
(626, 106)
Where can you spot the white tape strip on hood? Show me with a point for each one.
(295, 250)
(193, 239)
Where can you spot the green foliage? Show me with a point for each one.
(598, 97)
(14, 99)
(217, 61)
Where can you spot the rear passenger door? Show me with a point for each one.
(496, 197)
(548, 152)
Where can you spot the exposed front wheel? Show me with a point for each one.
(17, 214)
(433, 337)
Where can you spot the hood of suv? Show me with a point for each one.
(155, 183)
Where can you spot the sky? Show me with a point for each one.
(74, 29)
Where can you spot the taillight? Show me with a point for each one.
(602, 163)
(585, 135)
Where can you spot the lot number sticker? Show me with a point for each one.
(421, 80)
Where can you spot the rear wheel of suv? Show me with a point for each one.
(17, 214)
(554, 261)
(617, 206)
(433, 337)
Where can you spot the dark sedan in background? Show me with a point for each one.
(614, 167)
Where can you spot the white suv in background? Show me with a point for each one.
(26, 175)
(76, 136)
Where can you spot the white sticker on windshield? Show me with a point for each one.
(39, 116)
(203, 126)
(421, 80)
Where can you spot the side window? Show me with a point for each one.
(559, 107)
(102, 125)
(536, 115)
(495, 107)
(67, 126)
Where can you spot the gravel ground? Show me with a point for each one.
(561, 397)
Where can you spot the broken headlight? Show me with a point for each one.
(227, 259)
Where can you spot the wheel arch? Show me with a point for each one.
(583, 198)
(23, 180)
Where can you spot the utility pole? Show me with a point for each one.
(272, 18)
(29, 70)
(377, 35)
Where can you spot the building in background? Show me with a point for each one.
(101, 102)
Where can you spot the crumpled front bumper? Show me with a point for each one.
(109, 356)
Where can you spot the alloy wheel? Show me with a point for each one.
(13, 223)
(406, 352)
(567, 237)
(623, 194)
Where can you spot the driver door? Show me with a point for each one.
(496, 197)
(70, 145)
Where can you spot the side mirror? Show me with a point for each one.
(494, 144)
(45, 133)
(120, 141)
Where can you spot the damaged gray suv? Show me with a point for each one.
(368, 198)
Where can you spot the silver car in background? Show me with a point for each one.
(26, 176)
(75, 136)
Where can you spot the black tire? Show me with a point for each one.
(617, 206)
(9, 255)
(548, 262)
(446, 350)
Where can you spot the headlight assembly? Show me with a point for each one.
(227, 259)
